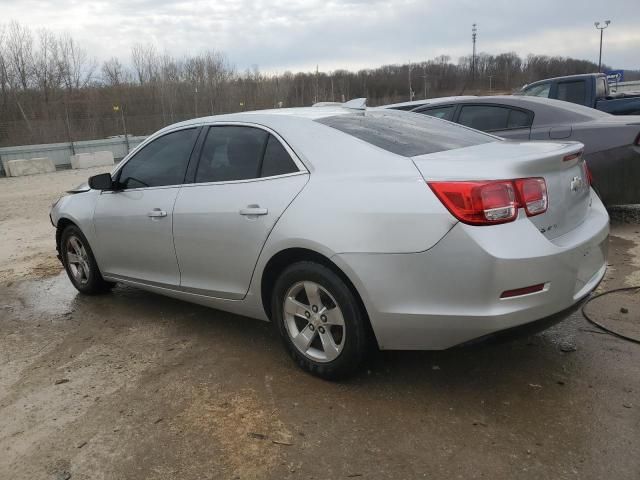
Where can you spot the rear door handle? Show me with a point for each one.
(156, 213)
(253, 210)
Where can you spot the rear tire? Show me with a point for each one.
(80, 264)
(319, 320)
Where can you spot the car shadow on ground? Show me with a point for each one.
(484, 364)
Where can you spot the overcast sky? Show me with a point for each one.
(279, 35)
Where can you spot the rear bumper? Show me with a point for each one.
(450, 294)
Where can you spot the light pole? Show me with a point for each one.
(601, 28)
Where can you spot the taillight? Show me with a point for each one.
(588, 176)
(492, 202)
(533, 195)
(478, 203)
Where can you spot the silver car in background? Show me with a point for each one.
(346, 228)
(611, 143)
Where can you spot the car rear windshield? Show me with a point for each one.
(406, 134)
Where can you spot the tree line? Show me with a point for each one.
(53, 90)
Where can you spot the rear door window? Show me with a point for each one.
(231, 153)
(574, 92)
(404, 133)
(491, 118)
(444, 112)
(484, 117)
(541, 90)
(276, 160)
(601, 87)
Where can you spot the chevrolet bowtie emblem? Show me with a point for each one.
(576, 184)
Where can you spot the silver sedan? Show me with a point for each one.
(347, 228)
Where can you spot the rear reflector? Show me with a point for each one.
(492, 202)
(522, 291)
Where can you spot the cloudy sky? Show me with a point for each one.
(280, 35)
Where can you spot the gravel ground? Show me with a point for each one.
(27, 247)
(131, 385)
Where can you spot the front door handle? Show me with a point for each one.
(252, 210)
(156, 213)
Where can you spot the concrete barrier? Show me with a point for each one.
(5, 166)
(31, 166)
(95, 159)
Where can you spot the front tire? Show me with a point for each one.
(80, 264)
(320, 320)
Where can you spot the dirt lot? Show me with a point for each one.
(131, 385)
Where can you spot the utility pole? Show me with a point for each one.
(195, 101)
(601, 28)
(316, 97)
(66, 116)
(333, 97)
(424, 77)
(490, 89)
(411, 94)
(118, 108)
(474, 34)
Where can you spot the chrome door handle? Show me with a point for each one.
(156, 213)
(253, 210)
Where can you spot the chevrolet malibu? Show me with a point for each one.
(347, 228)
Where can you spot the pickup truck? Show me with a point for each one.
(590, 90)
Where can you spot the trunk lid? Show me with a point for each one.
(568, 195)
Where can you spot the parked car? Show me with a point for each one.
(590, 90)
(346, 228)
(611, 144)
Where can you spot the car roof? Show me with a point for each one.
(426, 101)
(546, 110)
(578, 76)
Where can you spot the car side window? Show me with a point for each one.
(574, 92)
(484, 117)
(601, 88)
(161, 162)
(231, 153)
(541, 90)
(445, 112)
(490, 118)
(519, 119)
(276, 160)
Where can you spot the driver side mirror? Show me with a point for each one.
(101, 182)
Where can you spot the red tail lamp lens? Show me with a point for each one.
(492, 202)
(533, 195)
(478, 203)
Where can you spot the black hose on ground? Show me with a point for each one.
(611, 332)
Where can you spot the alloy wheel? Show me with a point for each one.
(78, 260)
(314, 321)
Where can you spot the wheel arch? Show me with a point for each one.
(281, 260)
(62, 224)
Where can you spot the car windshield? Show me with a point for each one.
(406, 134)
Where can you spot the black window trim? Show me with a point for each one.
(530, 113)
(116, 174)
(302, 169)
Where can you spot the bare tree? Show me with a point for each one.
(45, 67)
(19, 49)
(113, 72)
(75, 67)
